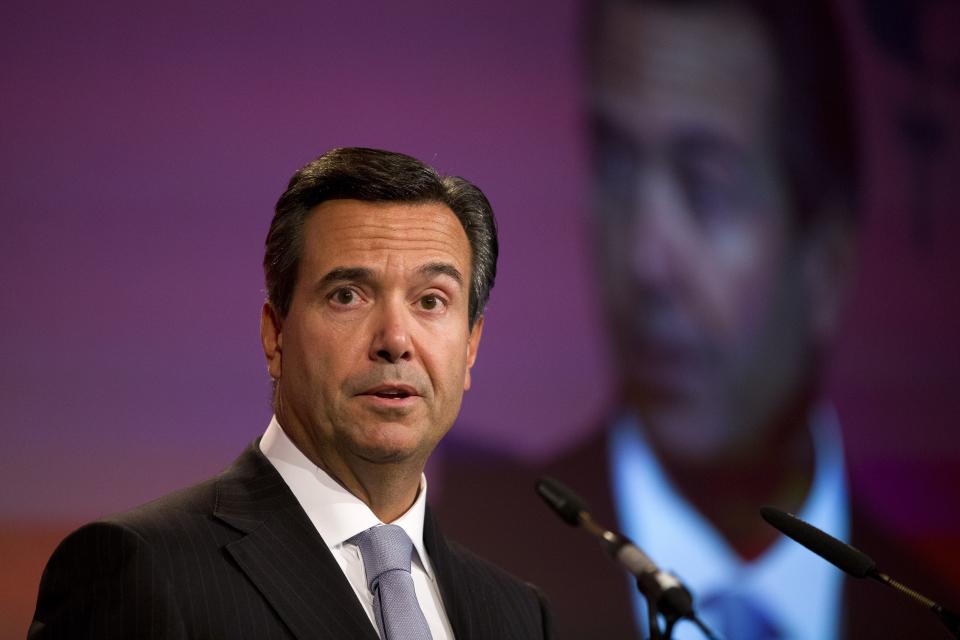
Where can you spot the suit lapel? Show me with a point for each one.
(444, 566)
(284, 556)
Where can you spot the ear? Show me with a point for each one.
(829, 271)
(271, 337)
(473, 344)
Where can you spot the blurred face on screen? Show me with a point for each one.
(703, 277)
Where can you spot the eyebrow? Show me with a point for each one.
(686, 140)
(363, 274)
(441, 268)
(345, 274)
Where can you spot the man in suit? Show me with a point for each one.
(377, 272)
(725, 182)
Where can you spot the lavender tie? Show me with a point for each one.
(386, 559)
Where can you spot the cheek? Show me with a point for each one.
(750, 263)
(446, 365)
(611, 254)
(320, 353)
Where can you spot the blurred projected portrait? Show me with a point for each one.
(725, 187)
(724, 194)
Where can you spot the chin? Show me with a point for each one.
(697, 445)
(393, 444)
(662, 393)
(688, 430)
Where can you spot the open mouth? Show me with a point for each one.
(393, 394)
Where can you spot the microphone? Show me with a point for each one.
(662, 590)
(840, 554)
(850, 560)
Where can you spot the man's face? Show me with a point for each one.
(375, 352)
(703, 278)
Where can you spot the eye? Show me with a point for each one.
(715, 176)
(345, 297)
(431, 302)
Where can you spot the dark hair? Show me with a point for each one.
(818, 139)
(373, 175)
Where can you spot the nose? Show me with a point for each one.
(658, 238)
(391, 336)
(669, 254)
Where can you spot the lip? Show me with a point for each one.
(401, 390)
(390, 396)
(665, 351)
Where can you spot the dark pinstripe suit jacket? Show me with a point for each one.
(237, 557)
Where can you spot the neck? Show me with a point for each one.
(774, 465)
(389, 487)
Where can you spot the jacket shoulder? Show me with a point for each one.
(152, 571)
(164, 515)
(103, 578)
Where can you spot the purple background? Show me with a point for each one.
(141, 152)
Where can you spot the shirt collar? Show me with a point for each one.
(337, 514)
(801, 591)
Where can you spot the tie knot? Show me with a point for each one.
(383, 548)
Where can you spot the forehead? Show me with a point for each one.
(354, 233)
(659, 66)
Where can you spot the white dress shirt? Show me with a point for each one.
(338, 515)
(800, 592)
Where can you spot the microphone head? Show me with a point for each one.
(853, 561)
(561, 499)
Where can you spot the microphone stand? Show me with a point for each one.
(949, 619)
(653, 620)
(675, 608)
(670, 618)
(852, 561)
(664, 593)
